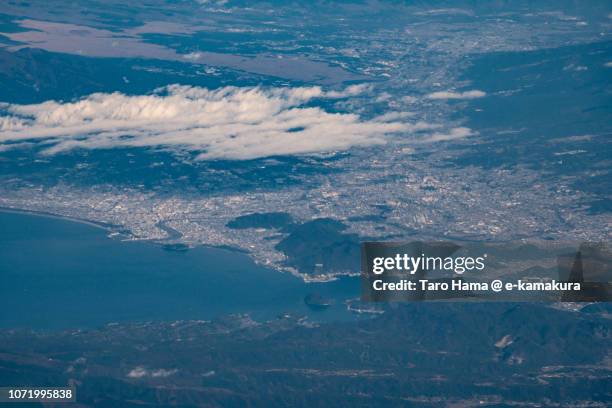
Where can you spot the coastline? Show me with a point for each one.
(290, 288)
(98, 224)
(174, 236)
(112, 228)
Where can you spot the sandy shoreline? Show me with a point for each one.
(98, 224)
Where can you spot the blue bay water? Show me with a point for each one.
(57, 273)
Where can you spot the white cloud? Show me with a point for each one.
(445, 11)
(163, 373)
(141, 372)
(230, 122)
(456, 95)
(217, 3)
(11, 146)
(138, 372)
(352, 90)
(393, 116)
(193, 56)
(453, 134)
(608, 64)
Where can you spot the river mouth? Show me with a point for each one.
(56, 274)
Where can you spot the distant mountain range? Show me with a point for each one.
(422, 354)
